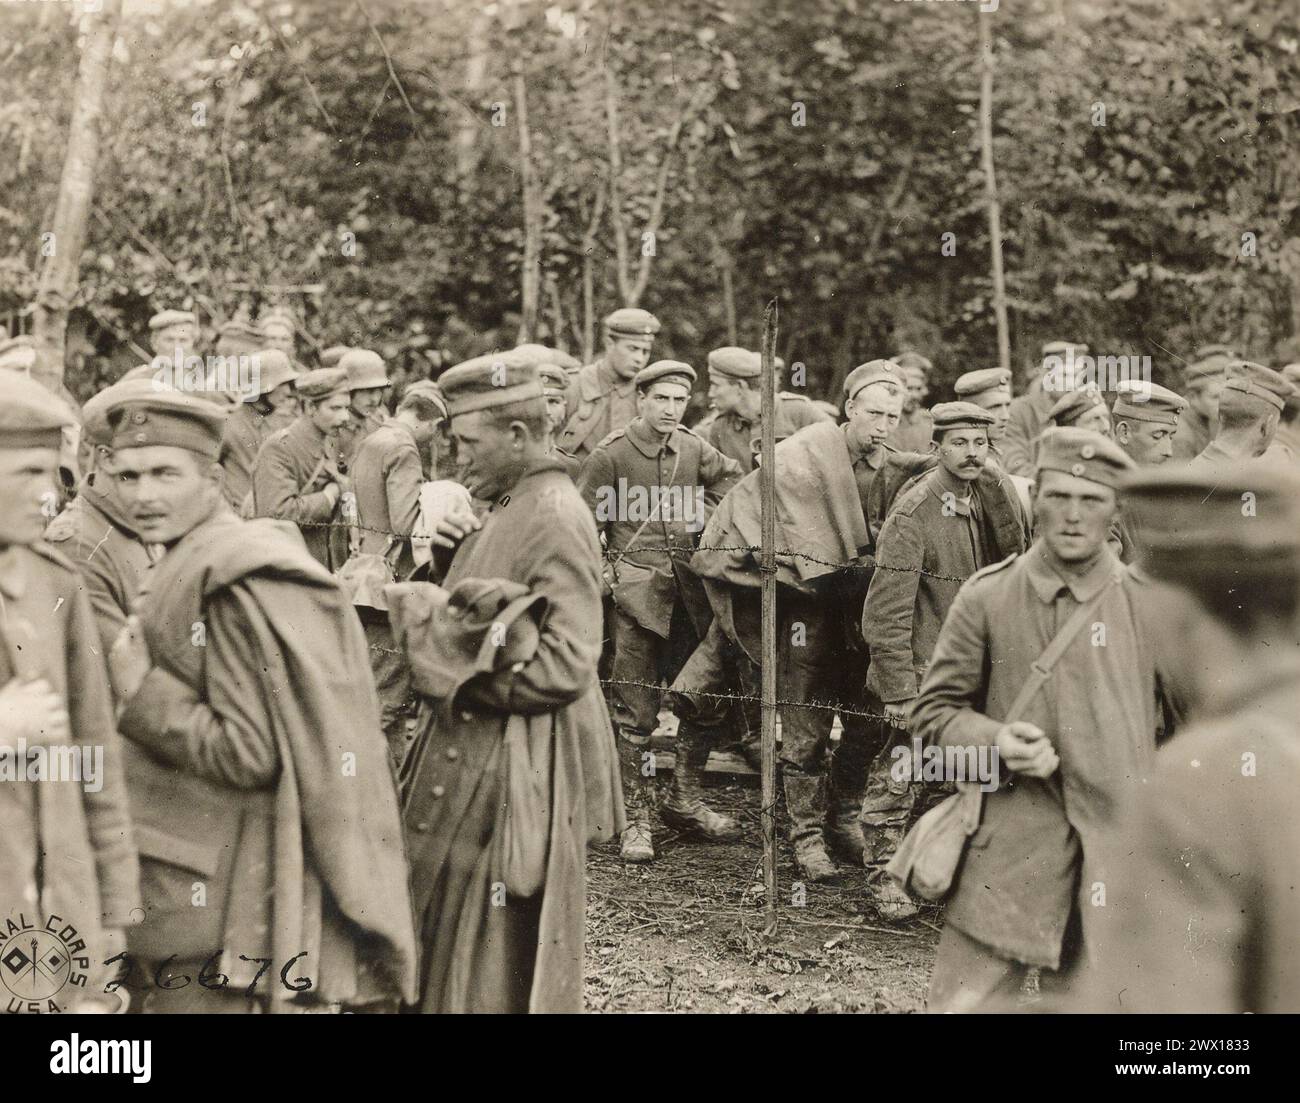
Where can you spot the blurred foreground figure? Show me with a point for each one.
(1205, 875)
(65, 847)
(258, 770)
(514, 770)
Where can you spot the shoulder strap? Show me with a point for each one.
(1041, 668)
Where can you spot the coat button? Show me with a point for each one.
(453, 753)
(438, 791)
(422, 826)
(467, 716)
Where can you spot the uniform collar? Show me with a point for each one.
(13, 578)
(647, 441)
(963, 493)
(610, 380)
(1047, 583)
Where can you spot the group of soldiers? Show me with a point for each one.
(344, 650)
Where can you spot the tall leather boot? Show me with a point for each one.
(685, 809)
(636, 843)
(805, 798)
(848, 780)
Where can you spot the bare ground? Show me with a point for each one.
(684, 933)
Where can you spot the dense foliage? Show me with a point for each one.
(250, 144)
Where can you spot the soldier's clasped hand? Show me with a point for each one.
(32, 711)
(1026, 750)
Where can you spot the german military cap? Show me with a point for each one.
(554, 377)
(631, 321)
(322, 383)
(95, 425)
(986, 379)
(1209, 360)
(735, 363)
(489, 381)
(238, 339)
(1063, 348)
(873, 371)
(1239, 516)
(1291, 373)
(332, 355)
(165, 417)
(31, 416)
(1139, 401)
(960, 415)
(1257, 381)
(272, 368)
(18, 354)
(428, 390)
(544, 354)
(365, 369)
(911, 359)
(278, 316)
(1070, 407)
(674, 370)
(1083, 453)
(165, 319)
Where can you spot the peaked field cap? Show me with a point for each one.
(554, 378)
(735, 362)
(365, 369)
(1235, 517)
(1261, 382)
(31, 415)
(1063, 348)
(631, 321)
(486, 382)
(1139, 401)
(959, 415)
(165, 318)
(910, 359)
(138, 383)
(1083, 453)
(1208, 360)
(873, 371)
(428, 390)
(544, 354)
(1074, 404)
(166, 417)
(984, 379)
(673, 370)
(322, 383)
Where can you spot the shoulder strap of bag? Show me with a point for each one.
(1041, 668)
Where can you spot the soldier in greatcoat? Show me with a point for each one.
(270, 406)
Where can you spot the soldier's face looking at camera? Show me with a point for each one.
(28, 479)
(1146, 442)
(278, 336)
(280, 398)
(873, 414)
(963, 452)
(165, 490)
(627, 355)
(1072, 515)
(663, 405)
(366, 400)
(916, 391)
(330, 414)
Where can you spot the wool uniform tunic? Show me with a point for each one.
(246, 431)
(289, 483)
(1041, 841)
(602, 401)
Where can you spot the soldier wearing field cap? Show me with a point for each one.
(1250, 409)
(66, 849)
(1028, 413)
(915, 427)
(1285, 449)
(1084, 409)
(367, 380)
(1204, 875)
(1203, 381)
(555, 393)
(1025, 894)
(173, 330)
(271, 405)
(1146, 417)
(990, 389)
(234, 780)
(297, 476)
(604, 394)
(650, 487)
(734, 381)
(507, 935)
(944, 527)
(278, 330)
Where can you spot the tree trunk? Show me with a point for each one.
(475, 68)
(991, 186)
(59, 278)
(530, 290)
